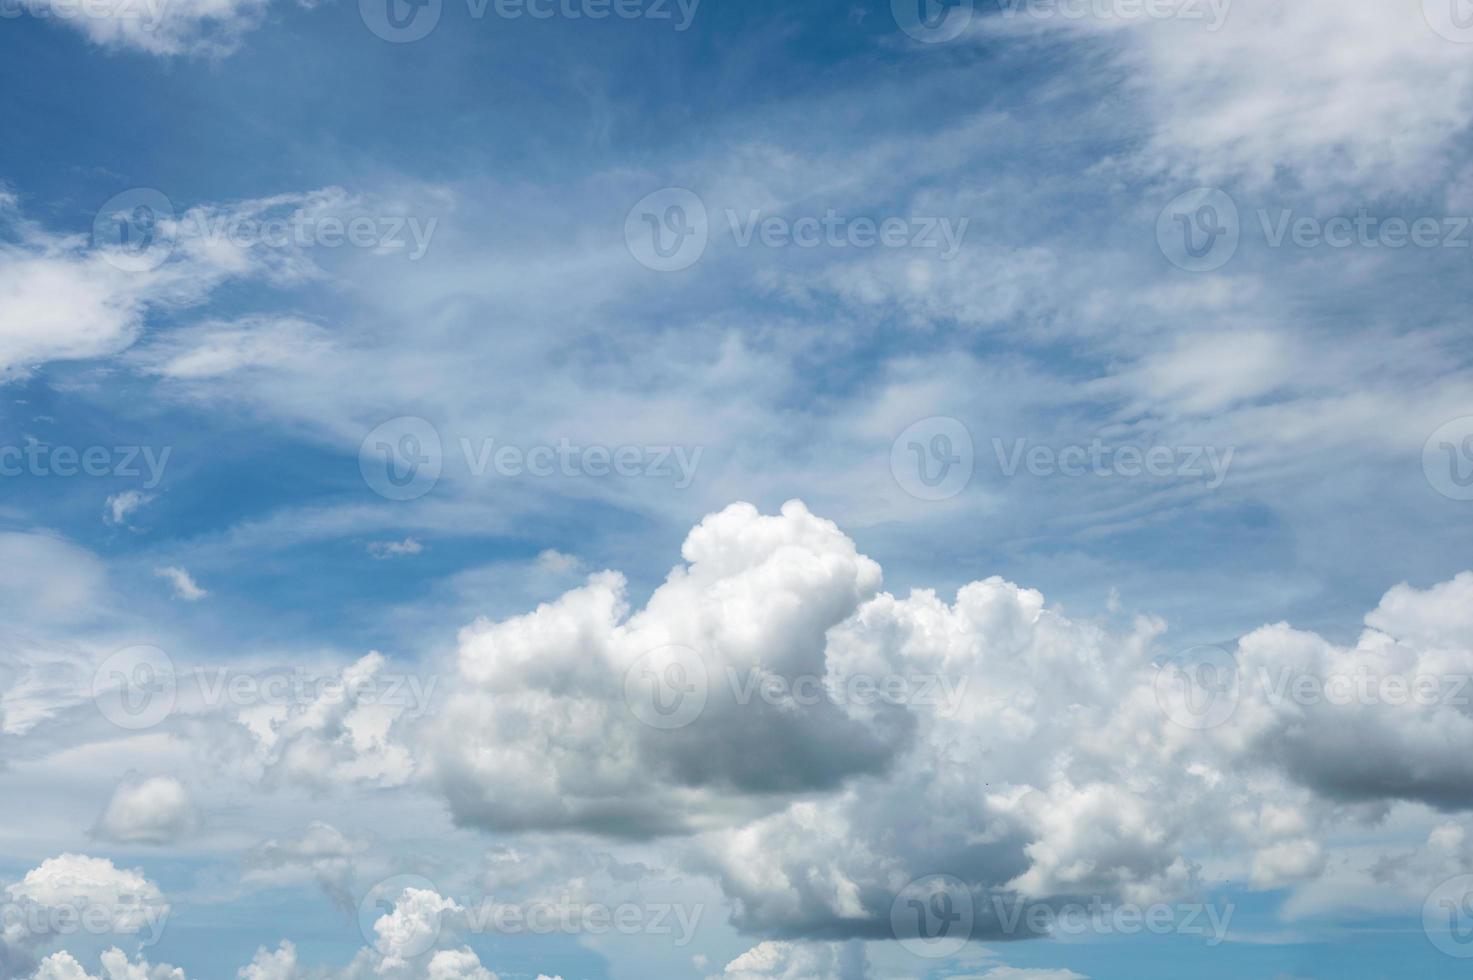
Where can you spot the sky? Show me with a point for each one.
(708, 489)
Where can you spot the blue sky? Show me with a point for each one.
(1028, 346)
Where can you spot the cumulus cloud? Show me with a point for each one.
(1032, 756)
(123, 900)
(115, 966)
(156, 810)
(539, 733)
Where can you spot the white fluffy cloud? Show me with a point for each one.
(1032, 755)
(156, 810)
(110, 900)
(539, 734)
